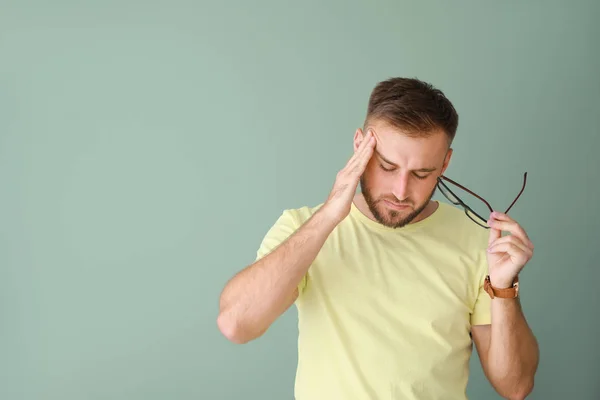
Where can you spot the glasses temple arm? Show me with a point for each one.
(519, 195)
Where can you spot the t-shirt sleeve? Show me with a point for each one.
(482, 313)
(482, 310)
(283, 228)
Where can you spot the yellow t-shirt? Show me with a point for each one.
(386, 313)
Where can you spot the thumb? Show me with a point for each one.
(494, 234)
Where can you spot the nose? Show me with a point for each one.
(400, 188)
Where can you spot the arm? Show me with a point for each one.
(259, 294)
(508, 350)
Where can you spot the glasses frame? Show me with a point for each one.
(483, 221)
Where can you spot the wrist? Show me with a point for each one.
(323, 217)
(501, 283)
(329, 216)
(500, 288)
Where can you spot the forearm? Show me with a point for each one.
(260, 293)
(513, 352)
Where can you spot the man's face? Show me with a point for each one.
(401, 176)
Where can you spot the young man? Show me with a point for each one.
(391, 287)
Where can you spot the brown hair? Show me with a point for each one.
(414, 106)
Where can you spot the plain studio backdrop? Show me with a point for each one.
(146, 148)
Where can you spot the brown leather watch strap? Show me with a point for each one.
(508, 293)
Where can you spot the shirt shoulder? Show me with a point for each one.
(289, 220)
(463, 231)
(302, 214)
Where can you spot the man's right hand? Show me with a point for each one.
(338, 204)
(261, 292)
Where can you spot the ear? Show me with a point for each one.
(358, 138)
(447, 160)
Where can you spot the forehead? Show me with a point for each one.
(399, 147)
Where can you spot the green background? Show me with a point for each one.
(146, 148)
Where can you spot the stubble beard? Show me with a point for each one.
(388, 217)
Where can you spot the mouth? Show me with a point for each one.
(396, 206)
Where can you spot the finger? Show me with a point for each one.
(512, 227)
(368, 144)
(507, 218)
(495, 234)
(359, 150)
(514, 251)
(364, 142)
(501, 216)
(511, 239)
(364, 151)
(367, 153)
(360, 165)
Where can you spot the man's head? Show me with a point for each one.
(414, 125)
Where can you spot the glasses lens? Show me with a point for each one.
(452, 198)
(476, 218)
(476, 209)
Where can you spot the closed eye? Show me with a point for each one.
(386, 169)
(390, 169)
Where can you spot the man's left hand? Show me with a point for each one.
(506, 255)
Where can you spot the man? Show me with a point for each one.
(391, 286)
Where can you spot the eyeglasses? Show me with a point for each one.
(475, 217)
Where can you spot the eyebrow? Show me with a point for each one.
(396, 165)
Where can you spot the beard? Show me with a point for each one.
(387, 217)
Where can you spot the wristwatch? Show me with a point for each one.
(508, 293)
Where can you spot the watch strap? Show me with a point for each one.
(507, 293)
